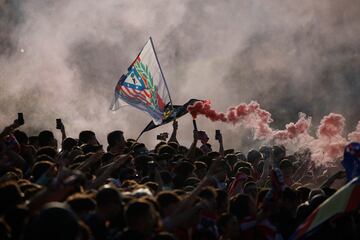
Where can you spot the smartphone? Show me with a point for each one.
(217, 134)
(20, 119)
(58, 123)
(162, 136)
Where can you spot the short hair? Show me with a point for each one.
(46, 138)
(184, 168)
(245, 170)
(279, 151)
(248, 185)
(213, 154)
(85, 136)
(137, 146)
(106, 196)
(208, 193)
(241, 156)
(231, 159)
(136, 210)
(114, 137)
(40, 168)
(253, 156)
(241, 164)
(161, 143)
(55, 221)
(152, 186)
(314, 192)
(49, 151)
(200, 165)
(239, 205)
(44, 157)
(69, 143)
(81, 202)
(166, 149)
(205, 159)
(285, 163)
(192, 181)
(166, 198)
(174, 145)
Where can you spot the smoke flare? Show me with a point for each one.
(327, 146)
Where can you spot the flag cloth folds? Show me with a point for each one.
(144, 86)
(345, 200)
(170, 115)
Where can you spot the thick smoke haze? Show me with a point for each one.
(62, 59)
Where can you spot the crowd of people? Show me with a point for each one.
(78, 189)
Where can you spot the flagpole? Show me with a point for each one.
(162, 74)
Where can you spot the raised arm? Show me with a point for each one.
(174, 132)
(266, 168)
(118, 162)
(218, 137)
(61, 127)
(192, 148)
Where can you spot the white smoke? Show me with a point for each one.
(62, 59)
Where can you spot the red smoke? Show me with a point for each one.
(253, 117)
(331, 125)
(251, 114)
(328, 146)
(204, 108)
(293, 130)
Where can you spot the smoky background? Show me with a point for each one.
(62, 59)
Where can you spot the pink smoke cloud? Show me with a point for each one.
(326, 147)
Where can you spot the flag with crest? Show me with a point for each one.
(144, 86)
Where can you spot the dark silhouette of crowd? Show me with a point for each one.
(80, 189)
